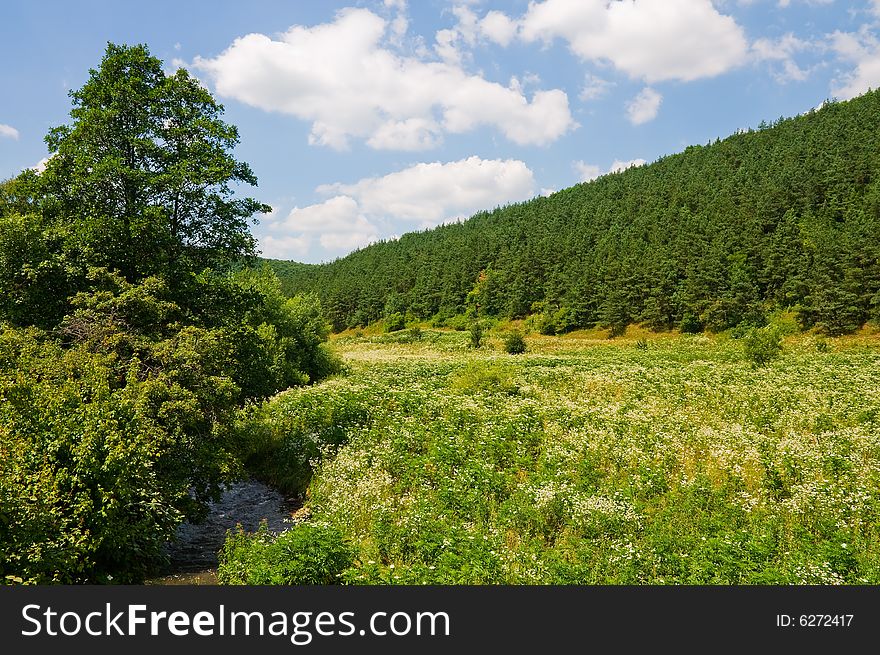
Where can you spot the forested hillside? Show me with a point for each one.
(783, 217)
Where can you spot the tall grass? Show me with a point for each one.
(583, 462)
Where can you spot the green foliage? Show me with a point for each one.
(762, 345)
(476, 334)
(97, 471)
(282, 441)
(395, 322)
(710, 238)
(485, 377)
(514, 343)
(613, 465)
(141, 180)
(690, 324)
(303, 555)
(129, 332)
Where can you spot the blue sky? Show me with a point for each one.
(367, 119)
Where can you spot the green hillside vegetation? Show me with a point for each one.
(147, 360)
(785, 217)
(130, 328)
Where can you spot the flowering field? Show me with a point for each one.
(669, 461)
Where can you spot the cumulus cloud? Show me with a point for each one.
(786, 3)
(644, 106)
(618, 166)
(654, 40)
(497, 27)
(861, 49)
(430, 193)
(285, 247)
(594, 88)
(336, 226)
(588, 172)
(782, 50)
(8, 131)
(342, 78)
(585, 171)
(420, 196)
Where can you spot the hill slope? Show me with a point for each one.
(786, 216)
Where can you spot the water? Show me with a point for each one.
(194, 554)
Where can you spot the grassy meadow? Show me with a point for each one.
(646, 459)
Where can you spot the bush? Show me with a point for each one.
(394, 322)
(281, 440)
(476, 334)
(514, 344)
(690, 324)
(485, 377)
(546, 324)
(762, 345)
(304, 555)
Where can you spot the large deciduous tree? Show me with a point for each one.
(141, 179)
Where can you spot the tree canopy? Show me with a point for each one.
(131, 332)
(143, 173)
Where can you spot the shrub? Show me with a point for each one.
(476, 334)
(304, 555)
(690, 324)
(546, 324)
(394, 322)
(762, 345)
(485, 377)
(642, 344)
(514, 344)
(414, 334)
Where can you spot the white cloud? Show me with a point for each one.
(862, 50)
(644, 106)
(585, 171)
(285, 247)
(782, 50)
(40, 166)
(421, 196)
(588, 172)
(340, 77)
(786, 3)
(336, 224)
(498, 28)
(409, 134)
(653, 40)
(617, 166)
(594, 88)
(432, 193)
(8, 131)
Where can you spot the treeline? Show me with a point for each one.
(785, 217)
(131, 328)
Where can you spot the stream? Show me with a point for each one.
(193, 555)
